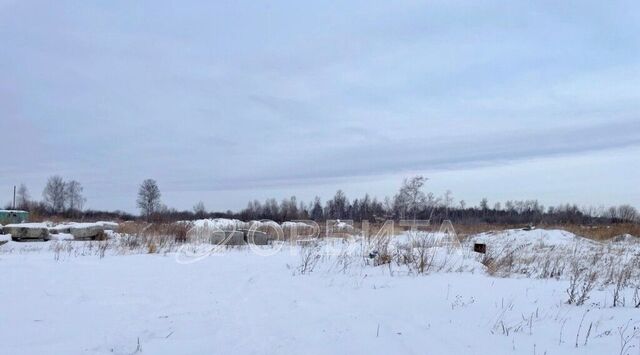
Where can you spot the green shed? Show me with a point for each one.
(13, 216)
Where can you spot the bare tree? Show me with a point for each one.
(23, 197)
(484, 204)
(54, 194)
(73, 195)
(338, 206)
(199, 210)
(289, 209)
(271, 210)
(447, 202)
(411, 199)
(316, 210)
(627, 213)
(149, 197)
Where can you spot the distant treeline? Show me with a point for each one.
(372, 210)
(411, 202)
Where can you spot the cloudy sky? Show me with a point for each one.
(226, 101)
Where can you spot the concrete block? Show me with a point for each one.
(227, 238)
(85, 232)
(26, 232)
(60, 229)
(257, 237)
(109, 226)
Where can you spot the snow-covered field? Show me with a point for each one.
(74, 297)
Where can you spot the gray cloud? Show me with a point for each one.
(213, 96)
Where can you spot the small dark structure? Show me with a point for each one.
(480, 248)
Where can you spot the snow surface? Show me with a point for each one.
(220, 223)
(107, 224)
(286, 225)
(519, 238)
(555, 253)
(62, 226)
(340, 225)
(68, 225)
(31, 225)
(229, 224)
(238, 302)
(60, 236)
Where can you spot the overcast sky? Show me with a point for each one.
(226, 101)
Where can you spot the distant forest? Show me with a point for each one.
(65, 200)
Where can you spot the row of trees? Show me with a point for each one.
(339, 207)
(58, 197)
(62, 195)
(410, 202)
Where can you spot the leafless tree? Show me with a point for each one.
(73, 195)
(54, 194)
(149, 197)
(337, 207)
(199, 210)
(23, 197)
(447, 202)
(627, 213)
(289, 209)
(316, 210)
(484, 204)
(411, 199)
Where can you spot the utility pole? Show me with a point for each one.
(14, 197)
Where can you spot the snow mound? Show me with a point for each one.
(64, 225)
(341, 227)
(108, 225)
(30, 225)
(220, 223)
(67, 225)
(235, 224)
(289, 224)
(540, 237)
